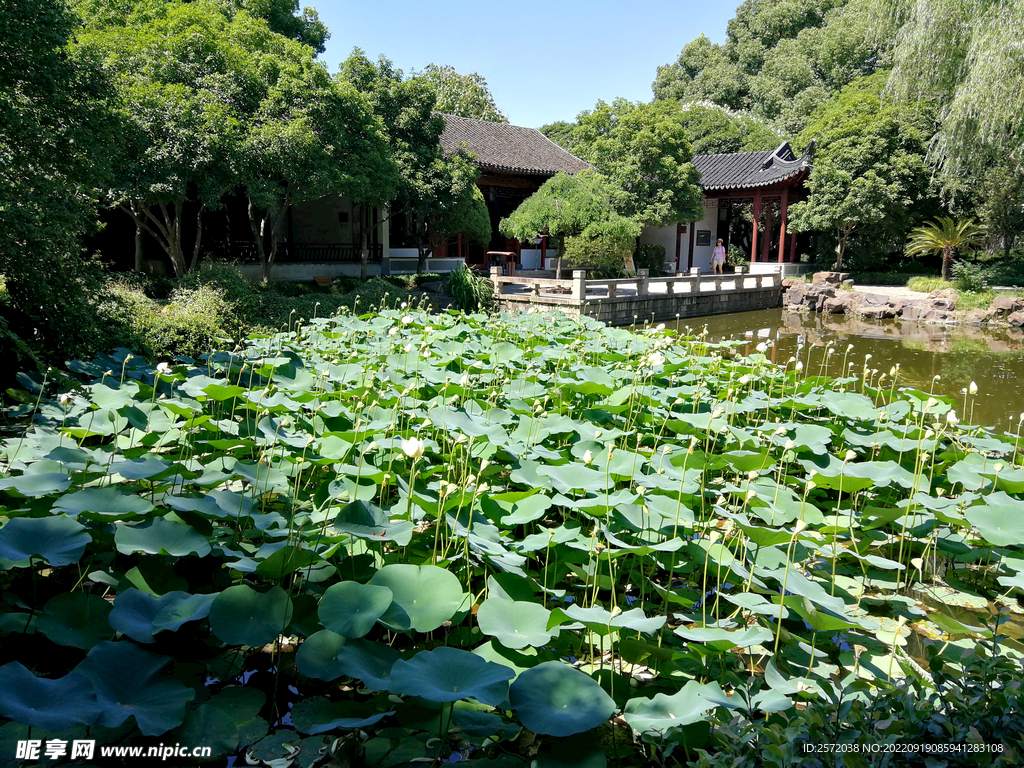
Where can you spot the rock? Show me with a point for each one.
(830, 278)
(1016, 319)
(836, 305)
(434, 286)
(948, 294)
(873, 299)
(875, 312)
(789, 282)
(1005, 305)
(976, 317)
(796, 294)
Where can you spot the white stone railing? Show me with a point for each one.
(579, 288)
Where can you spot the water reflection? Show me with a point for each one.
(994, 359)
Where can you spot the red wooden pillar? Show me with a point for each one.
(757, 224)
(782, 224)
(767, 241)
(792, 247)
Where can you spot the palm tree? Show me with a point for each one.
(944, 236)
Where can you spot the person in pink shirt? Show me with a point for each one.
(718, 258)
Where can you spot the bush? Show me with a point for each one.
(598, 253)
(970, 277)
(650, 256)
(927, 284)
(470, 292)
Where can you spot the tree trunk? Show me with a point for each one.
(138, 247)
(165, 228)
(266, 227)
(199, 238)
(558, 259)
(844, 235)
(947, 262)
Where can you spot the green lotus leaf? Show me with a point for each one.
(424, 596)
(58, 540)
(140, 469)
(75, 619)
(577, 476)
(362, 519)
(318, 715)
(483, 724)
(664, 712)
(211, 727)
(351, 609)
(328, 656)
(450, 674)
(515, 624)
(141, 615)
(242, 706)
(49, 704)
(1001, 525)
(37, 484)
(160, 536)
(287, 748)
(102, 501)
(242, 616)
(554, 699)
(128, 684)
(724, 639)
(285, 560)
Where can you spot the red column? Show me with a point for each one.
(767, 242)
(757, 223)
(792, 247)
(782, 224)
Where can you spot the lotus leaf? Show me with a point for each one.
(424, 596)
(242, 616)
(48, 704)
(160, 536)
(449, 674)
(141, 615)
(351, 609)
(58, 540)
(556, 700)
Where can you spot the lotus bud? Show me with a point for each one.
(866, 358)
(407, 319)
(597, 433)
(799, 365)
(65, 399)
(163, 369)
(611, 452)
(413, 447)
(790, 445)
(752, 475)
(850, 455)
(951, 419)
(751, 494)
(892, 371)
(404, 305)
(655, 359)
(799, 526)
(393, 330)
(666, 450)
(642, 490)
(588, 458)
(973, 388)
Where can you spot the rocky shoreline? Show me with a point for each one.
(832, 293)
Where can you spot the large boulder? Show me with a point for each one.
(1016, 319)
(841, 304)
(795, 294)
(873, 299)
(1006, 305)
(976, 317)
(875, 312)
(948, 297)
(829, 278)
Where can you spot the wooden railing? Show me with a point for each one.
(579, 288)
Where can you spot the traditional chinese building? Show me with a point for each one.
(759, 185)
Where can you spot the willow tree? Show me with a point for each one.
(964, 56)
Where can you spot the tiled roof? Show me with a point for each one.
(746, 170)
(508, 148)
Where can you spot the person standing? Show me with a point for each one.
(718, 258)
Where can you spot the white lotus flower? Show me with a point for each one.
(413, 447)
(973, 388)
(405, 304)
(588, 457)
(655, 359)
(951, 419)
(850, 455)
(799, 365)
(744, 379)
(762, 347)
(790, 445)
(407, 319)
(164, 369)
(393, 330)
(65, 399)
(464, 381)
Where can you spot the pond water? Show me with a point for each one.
(957, 354)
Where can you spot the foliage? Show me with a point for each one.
(869, 169)
(470, 292)
(964, 56)
(650, 256)
(566, 206)
(944, 236)
(926, 284)
(451, 528)
(712, 130)
(978, 704)
(461, 95)
(781, 60)
(970, 277)
(55, 132)
(1002, 204)
(643, 150)
(604, 245)
(436, 191)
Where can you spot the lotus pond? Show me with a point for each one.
(408, 539)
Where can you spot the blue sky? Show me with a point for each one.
(543, 61)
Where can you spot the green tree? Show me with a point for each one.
(311, 136)
(568, 206)
(55, 131)
(869, 170)
(704, 71)
(560, 132)
(436, 191)
(711, 130)
(944, 236)
(1002, 204)
(461, 95)
(964, 56)
(643, 150)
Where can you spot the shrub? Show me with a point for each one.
(650, 256)
(599, 253)
(970, 277)
(927, 284)
(470, 292)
